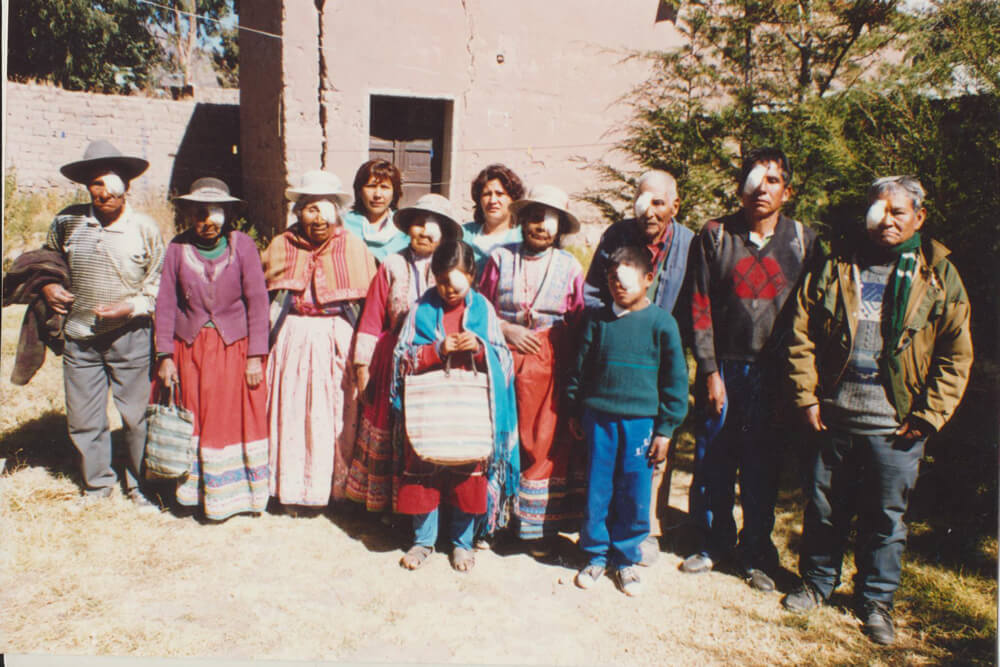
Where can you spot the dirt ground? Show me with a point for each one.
(107, 580)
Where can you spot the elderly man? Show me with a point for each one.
(114, 256)
(878, 360)
(744, 267)
(653, 227)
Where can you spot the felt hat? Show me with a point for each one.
(100, 156)
(553, 197)
(430, 203)
(321, 183)
(209, 190)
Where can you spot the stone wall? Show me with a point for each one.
(47, 127)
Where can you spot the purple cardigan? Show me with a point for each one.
(229, 291)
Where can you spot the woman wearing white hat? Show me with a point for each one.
(311, 396)
(211, 341)
(537, 290)
(401, 280)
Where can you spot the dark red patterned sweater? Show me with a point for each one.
(738, 291)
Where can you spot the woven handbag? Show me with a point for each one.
(447, 415)
(170, 449)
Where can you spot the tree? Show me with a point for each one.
(81, 44)
(193, 25)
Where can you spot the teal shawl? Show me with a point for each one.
(424, 326)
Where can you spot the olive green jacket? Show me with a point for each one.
(929, 369)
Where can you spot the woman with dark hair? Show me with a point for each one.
(401, 280)
(453, 321)
(378, 185)
(537, 290)
(312, 399)
(493, 190)
(211, 341)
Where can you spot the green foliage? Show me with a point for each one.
(94, 45)
(193, 25)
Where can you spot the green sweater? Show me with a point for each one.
(632, 366)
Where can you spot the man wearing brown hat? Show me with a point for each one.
(114, 255)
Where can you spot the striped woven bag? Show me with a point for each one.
(447, 415)
(170, 450)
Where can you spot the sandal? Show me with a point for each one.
(415, 557)
(462, 560)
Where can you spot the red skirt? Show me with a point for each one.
(229, 475)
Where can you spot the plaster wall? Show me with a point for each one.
(548, 110)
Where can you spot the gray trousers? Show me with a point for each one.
(119, 360)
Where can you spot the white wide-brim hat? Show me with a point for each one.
(209, 190)
(319, 183)
(99, 156)
(553, 197)
(437, 204)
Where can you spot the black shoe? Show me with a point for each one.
(803, 599)
(877, 619)
(759, 580)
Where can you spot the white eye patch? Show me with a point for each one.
(550, 223)
(458, 281)
(114, 184)
(327, 210)
(628, 276)
(217, 214)
(754, 179)
(643, 203)
(876, 213)
(432, 230)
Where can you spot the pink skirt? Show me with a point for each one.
(312, 410)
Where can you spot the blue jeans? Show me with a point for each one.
(871, 476)
(741, 441)
(619, 484)
(461, 528)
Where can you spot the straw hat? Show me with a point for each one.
(430, 203)
(321, 183)
(101, 155)
(209, 190)
(553, 197)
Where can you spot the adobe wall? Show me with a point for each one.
(47, 127)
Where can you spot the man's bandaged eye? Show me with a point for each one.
(876, 213)
(643, 203)
(754, 179)
(628, 276)
(114, 184)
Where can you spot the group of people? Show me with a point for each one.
(294, 362)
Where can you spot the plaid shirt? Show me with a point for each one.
(108, 265)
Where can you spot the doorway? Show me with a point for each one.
(414, 133)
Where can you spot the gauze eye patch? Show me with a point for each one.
(876, 213)
(327, 210)
(628, 276)
(458, 281)
(114, 184)
(643, 203)
(754, 179)
(550, 223)
(217, 214)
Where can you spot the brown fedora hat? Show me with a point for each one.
(102, 155)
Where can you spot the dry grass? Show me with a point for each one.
(107, 580)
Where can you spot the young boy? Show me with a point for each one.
(629, 385)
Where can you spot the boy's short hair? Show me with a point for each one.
(631, 255)
(453, 254)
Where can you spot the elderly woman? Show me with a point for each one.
(311, 399)
(378, 185)
(494, 189)
(401, 280)
(211, 341)
(537, 290)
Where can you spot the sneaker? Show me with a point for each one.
(697, 563)
(90, 499)
(588, 576)
(142, 503)
(877, 620)
(759, 580)
(803, 599)
(628, 580)
(650, 551)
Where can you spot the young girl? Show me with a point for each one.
(453, 319)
